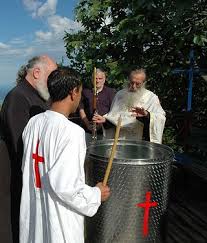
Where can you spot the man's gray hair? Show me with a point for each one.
(100, 70)
(137, 71)
(35, 61)
(22, 72)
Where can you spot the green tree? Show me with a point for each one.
(155, 34)
(120, 35)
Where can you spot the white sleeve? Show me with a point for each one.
(113, 115)
(67, 177)
(157, 121)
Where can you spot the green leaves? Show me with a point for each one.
(200, 40)
(158, 35)
(120, 35)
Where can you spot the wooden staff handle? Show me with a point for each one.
(94, 129)
(94, 81)
(113, 151)
(94, 102)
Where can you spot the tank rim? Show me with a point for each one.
(132, 161)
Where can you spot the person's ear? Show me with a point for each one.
(74, 93)
(36, 72)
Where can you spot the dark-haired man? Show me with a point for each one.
(54, 195)
(25, 100)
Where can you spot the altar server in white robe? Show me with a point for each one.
(140, 109)
(55, 197)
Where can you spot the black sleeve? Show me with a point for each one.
(108, 124)
(146, 121)
(111, 95)
(81, 104)
(16, 117)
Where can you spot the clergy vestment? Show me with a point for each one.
(131, 127)
(54, 195)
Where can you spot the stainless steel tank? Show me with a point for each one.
(140, 174)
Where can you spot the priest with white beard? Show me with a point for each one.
(140, 110)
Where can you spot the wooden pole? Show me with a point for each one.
(113, 151)
(94, 129)
(94, 80)
(94, 90)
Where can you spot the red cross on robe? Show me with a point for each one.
(37, 159)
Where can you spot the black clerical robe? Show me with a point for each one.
(21, 103)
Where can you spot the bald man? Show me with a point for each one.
(27, 99)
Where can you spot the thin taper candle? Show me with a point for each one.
(94, 80)
(113, 151)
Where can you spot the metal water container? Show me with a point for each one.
(139, 180)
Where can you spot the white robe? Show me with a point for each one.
(54, 212)
(132, 128)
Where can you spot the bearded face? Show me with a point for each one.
(41, 87)
(126, 100)
(41, 83)
(133, 97)
(136, 81)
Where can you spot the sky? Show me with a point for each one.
(32, 27)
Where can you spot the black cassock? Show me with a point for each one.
(21, 103)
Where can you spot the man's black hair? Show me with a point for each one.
(61, 82)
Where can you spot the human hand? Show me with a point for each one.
(98, 119)
(105, 191)
(138, 112)
(90, 126)
(93, 125)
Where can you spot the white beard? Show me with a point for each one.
(129, 99)
(42, 89)
(123, 102)
(133, 97)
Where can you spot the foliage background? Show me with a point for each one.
(157, 35)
